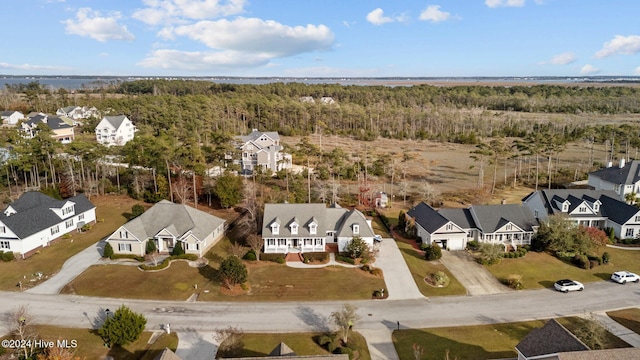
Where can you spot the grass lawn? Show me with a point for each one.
(420, 268)
(300, 343)
(91, 346)
(268, 281)
(465, 342)
(629, 318)
(541, 270)
(111, 212)
(479, 342)
(572, 323)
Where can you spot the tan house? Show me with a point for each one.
(166, 224)
(61, 127)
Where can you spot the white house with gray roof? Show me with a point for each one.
(115, 130)
(166, 223)
(622, 179)
(311, 227)
(508, 225)
(11, 118)
(263, 150)
(35, 220)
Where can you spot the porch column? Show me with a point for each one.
(160, 243)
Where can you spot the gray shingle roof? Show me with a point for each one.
(461, 217)
(616, 210)
(176, 218)
(345, 225)
(282, 349)
(548, 197)
(34, 214)
(115, 121)
(552, 338)
(254, 135)
(53, 122)
(490, 218)
(427, 217)
(629, 174)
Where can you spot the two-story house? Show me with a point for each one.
(61, 128)
(35, 219)
(11, 118)
(312, 227)
(262, 150)
(115, 130)
(622, 179)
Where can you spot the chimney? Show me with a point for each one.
(622, 163)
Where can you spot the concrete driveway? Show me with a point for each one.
(397, 276)
(473, 276)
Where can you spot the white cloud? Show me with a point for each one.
(177, 11)
(376, 17)
(504, 3)
(8, 66)
(256, 36)
(589, 70)
(636, 71)
(627, 45)
(92, 24)
(199, 61)
(434, 14)
(563, 59)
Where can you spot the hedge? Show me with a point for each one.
(279, 258)
(315, 256)
(127, 256)
(346, 259)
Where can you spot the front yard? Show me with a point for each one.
(268, 281)
(541, 270)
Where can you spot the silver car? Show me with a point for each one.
(566, 285)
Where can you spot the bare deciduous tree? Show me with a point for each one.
(344, 319)
(238, 250)
(20, 322)
(255, 242)
(230, 340)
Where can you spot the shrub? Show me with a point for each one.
(377, 293)
(440, 278)
(66, 236)
(316, 256)
(250, 255)
(233, 271)
(356, 248)
(581, 261)
(433, 252)
(344, 350)
(151, 247)
(191, 257)
(127, 256)
(123, 327)
(376, 272)
(514, 281)
(278, 258)
(473, 245)
(162, 265)
(596, 259)
(8, 256)
(346, 259)
(322, 340)
(565, 256)
(177, 249)
(606, 258)
(107, 252)
(137, 210)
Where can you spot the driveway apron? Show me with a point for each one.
(473, 276)
(400, 283)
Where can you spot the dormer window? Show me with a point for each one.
(565, 207)
(313, 229)
(294, 229)
(123, 234)
(596, 206)
(449, 227)
(583, 209)
(356, 229)
(275, 228)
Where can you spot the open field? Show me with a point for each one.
(91, 346)
(541, 270)
(111, 212)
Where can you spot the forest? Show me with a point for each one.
(186, 127)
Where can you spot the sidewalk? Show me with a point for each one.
(618, 330)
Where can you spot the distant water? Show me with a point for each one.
(96, 82)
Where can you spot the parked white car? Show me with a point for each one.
(623, 277)
(566, 285)
(377, 238)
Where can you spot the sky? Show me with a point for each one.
(328, 38)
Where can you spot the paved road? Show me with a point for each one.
(376, 316)
(473, 276)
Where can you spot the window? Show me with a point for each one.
(271, 242)
(3, 229)
(449, 226)
(535, 213)
(124, 234)
(81, 217)
(508, 227)
(68, 210)
(356, 229)
(583, 209)
(4, 245)
(565, 207)
(629, 233)
(68, 223)
(282, 242)
(124, 247)
(294, 229)
(275, 228)
(308, 242)
(637, 219)
(55, 229)
(313, 228)
(318, 241)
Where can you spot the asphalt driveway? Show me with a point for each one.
(473, 276)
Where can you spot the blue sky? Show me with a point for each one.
(329, 38)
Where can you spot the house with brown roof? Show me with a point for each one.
(547, 342)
